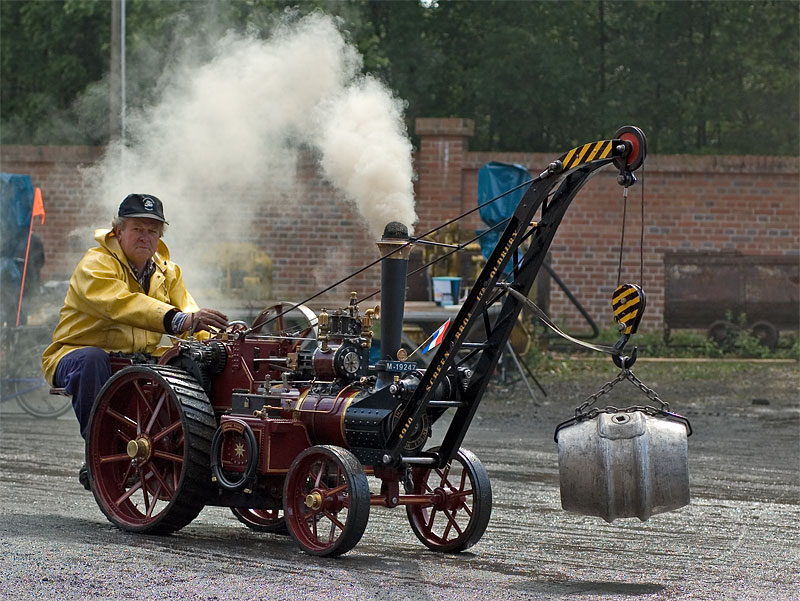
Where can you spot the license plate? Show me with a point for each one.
(400, 365)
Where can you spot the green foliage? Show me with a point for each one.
(698, 76)
(49, 54)
(545, 75)
(794, 351)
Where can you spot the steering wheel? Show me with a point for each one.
(284, 320)
(236, 326)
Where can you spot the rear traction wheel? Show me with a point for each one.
(461, 504)
(147, 449)
(326, 500)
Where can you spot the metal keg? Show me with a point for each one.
(623, 464)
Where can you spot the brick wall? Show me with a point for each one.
(692, 203)
(312, 241)
(749, 204)
(315, 242)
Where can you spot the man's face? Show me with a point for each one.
(139, 239)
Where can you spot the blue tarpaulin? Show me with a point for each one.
(16, 205)
(494, 179)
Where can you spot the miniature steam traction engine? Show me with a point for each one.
(286, 426)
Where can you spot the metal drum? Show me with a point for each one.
(625, 464)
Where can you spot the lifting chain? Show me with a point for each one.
(585, 410)
(624, 374)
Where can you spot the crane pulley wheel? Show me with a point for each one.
(638, 148)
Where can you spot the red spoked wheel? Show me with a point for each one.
(461, 504)
(147, 449)
(326, 500)
(262, 520)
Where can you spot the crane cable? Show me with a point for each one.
(622, 237)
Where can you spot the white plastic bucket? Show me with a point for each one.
(446, 290)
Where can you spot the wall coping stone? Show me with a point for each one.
(50, 154)
(430, 126)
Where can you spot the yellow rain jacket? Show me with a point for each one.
(106, 307)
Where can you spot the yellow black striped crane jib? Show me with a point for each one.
(587, 153)
(628, 304)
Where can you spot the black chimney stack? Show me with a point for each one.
(395, 247)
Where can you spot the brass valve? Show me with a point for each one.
(322, 323)
(366, 325)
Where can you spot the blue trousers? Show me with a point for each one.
(82, 373)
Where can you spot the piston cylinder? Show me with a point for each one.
(625, 464)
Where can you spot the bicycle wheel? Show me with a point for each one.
(25, 384)
(34, 398)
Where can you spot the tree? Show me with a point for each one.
(698, 76)
(49, 53)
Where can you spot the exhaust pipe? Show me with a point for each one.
(394, 269)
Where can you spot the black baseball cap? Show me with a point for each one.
(142, 205)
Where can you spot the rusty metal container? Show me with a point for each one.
(701, 287)
(625, 464)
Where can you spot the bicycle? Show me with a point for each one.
(21, 359)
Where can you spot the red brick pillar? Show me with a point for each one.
(439, 166)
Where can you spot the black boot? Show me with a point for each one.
(83, 477)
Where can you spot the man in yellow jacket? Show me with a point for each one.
(123, 296)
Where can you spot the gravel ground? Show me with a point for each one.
(738, 539)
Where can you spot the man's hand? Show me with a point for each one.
(202, 319)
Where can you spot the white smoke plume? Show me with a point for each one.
(234, 125)
(365, 153)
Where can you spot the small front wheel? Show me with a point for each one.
(326, 500)
(461, 504)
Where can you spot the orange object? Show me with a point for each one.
(38, 205)
(38, 209)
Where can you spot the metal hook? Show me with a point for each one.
(625, 362)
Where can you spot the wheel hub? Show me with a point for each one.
(314, 500)
(445, 498)
(139, 448)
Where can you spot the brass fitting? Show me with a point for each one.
(366, 325)
(139, 448)
(322, 324)
(314, 501)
